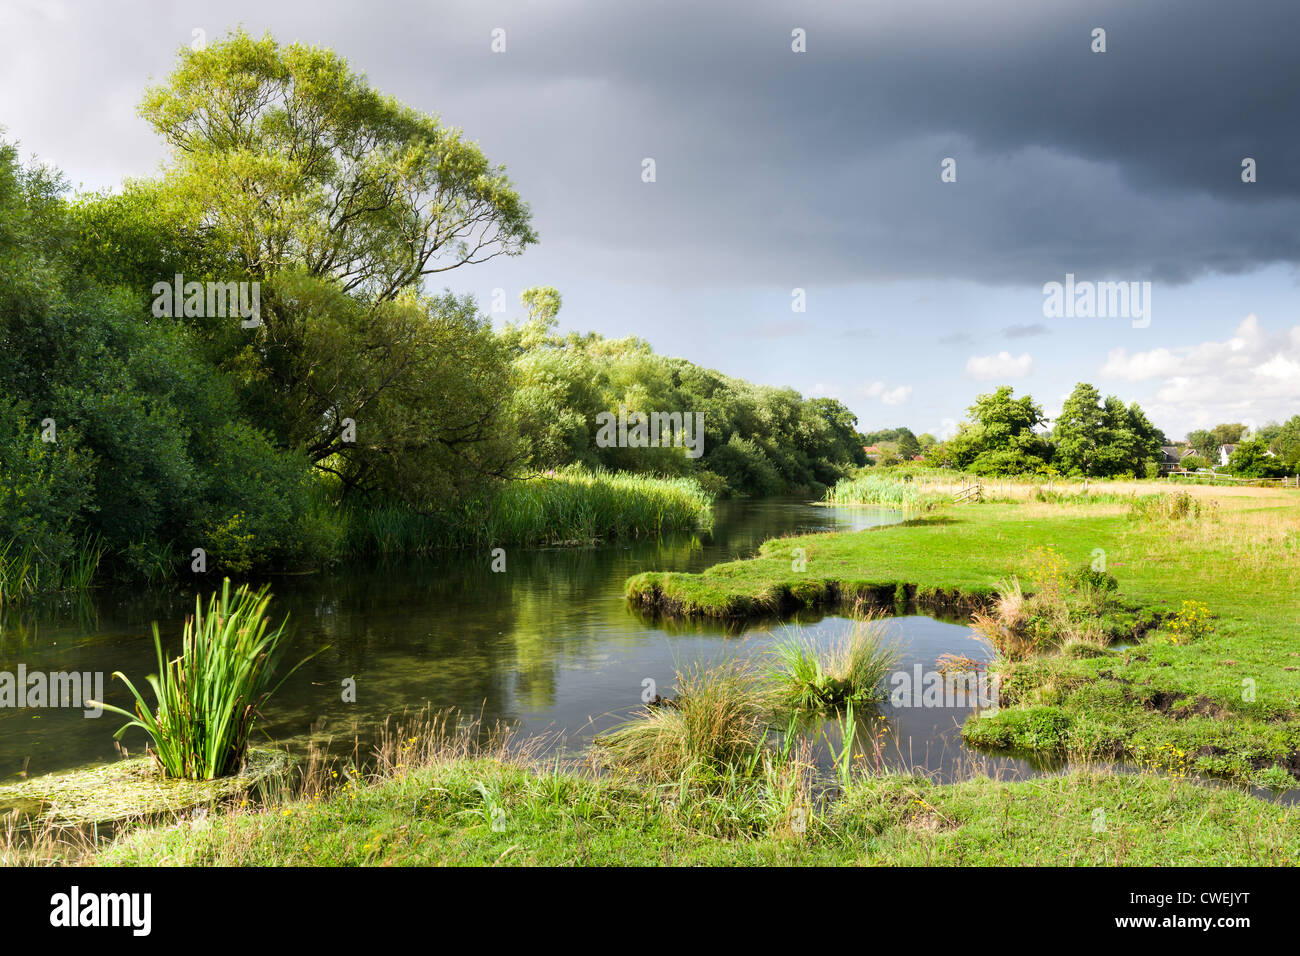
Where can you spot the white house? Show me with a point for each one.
(1225, 452)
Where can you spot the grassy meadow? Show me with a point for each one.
(1221, 697)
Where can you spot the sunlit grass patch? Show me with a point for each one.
(572, 506)
(885, 491)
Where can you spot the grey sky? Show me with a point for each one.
(818, 170)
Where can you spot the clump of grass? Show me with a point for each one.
(888, 492)
(1003, 624)
(209, 697)
(19, 573)
(817, 678)
(718, 720)
(1076, 612)
(1019, 625)
(1179, 506)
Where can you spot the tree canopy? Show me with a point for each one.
(1103, 438)
(1001, 436)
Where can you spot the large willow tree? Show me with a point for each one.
(342, 202)
(299, 162)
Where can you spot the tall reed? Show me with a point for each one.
(19, 573)
(26, 572)
(574, 505)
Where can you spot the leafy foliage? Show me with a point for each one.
(757, 439)
(1104, 439)
(1001, 436)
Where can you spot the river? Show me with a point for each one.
(549, 646)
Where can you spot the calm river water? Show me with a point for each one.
(550, 646)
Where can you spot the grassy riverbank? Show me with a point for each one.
(438, 796)
(492, 812)
(1226, 702)
(1219, 696)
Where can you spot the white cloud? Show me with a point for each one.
(1253, 376)
(1140, 365)
(1280, 367)
(897, 396)
(1003, 365)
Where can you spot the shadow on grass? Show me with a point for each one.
(923, 522)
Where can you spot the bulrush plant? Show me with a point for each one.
(718, 720)
(817, 678)
(209, 698)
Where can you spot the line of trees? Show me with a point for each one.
(1092, 436)
(759, 440)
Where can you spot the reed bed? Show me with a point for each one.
(567, 507)
(25, 572)
(885, 491)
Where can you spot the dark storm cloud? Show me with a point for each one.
(823, 167)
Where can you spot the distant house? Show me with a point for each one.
(1171, 457)
(873, 452)
(1225, 452)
